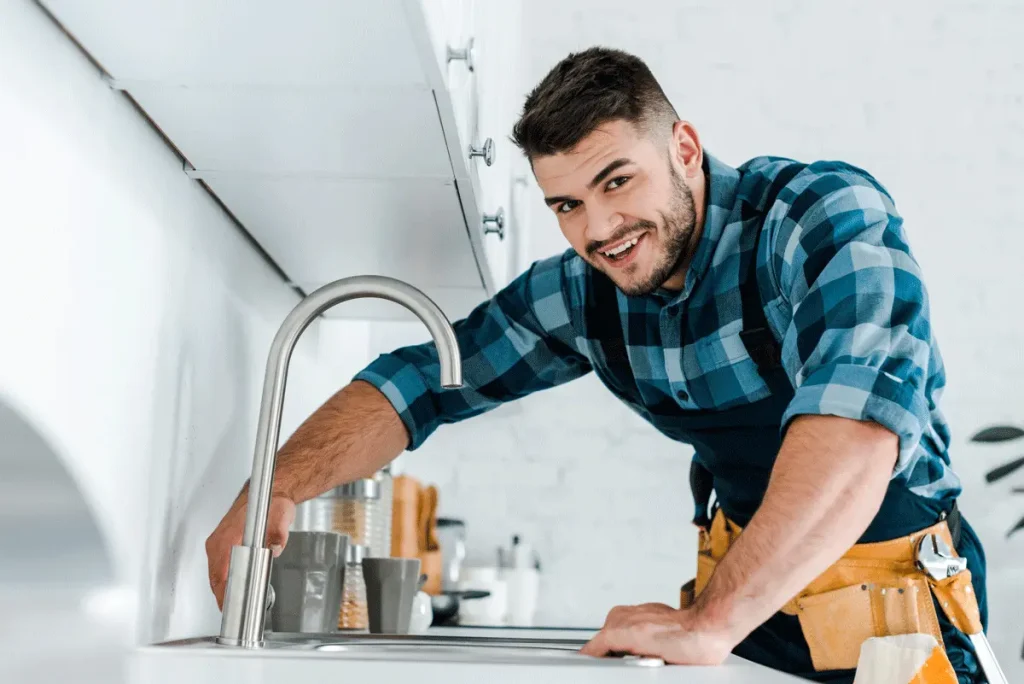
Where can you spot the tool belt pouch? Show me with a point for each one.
(956, 597)
(836, 622)
(876, 590)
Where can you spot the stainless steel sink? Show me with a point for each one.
(424, 648)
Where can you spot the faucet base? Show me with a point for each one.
(238, 643)
(245, 597)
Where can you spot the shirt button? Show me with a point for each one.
(683, 396)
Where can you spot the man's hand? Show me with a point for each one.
(654, 629)
(229, 534)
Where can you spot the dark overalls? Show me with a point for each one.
(735, 450)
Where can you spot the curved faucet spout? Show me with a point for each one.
(242, 622)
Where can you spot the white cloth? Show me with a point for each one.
(893, 659)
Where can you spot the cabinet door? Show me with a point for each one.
(478, 105)
(499, 94)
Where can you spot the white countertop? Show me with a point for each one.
(202, 664)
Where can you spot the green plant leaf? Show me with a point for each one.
(998, 433)
(1017, 527)
(1002, 471)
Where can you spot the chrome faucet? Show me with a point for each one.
(245, 597)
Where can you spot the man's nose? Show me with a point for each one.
(602, 224)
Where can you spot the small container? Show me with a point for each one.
(307, 581)
(391, 588)
(353, 615)
(451, 534)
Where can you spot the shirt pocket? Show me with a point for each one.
(721, 374)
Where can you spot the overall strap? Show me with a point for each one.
(762, 347)
(604, 325)
(757, 336)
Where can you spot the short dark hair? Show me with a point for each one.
(584, 91)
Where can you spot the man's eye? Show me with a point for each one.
(567, 206)
(617, 182)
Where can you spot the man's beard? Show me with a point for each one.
(675, 234)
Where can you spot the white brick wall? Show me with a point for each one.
(928, 96)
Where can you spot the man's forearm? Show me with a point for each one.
(352, 435)
(827, 485)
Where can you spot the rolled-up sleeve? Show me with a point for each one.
(859, 341)
(518, 342)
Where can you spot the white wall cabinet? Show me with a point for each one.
(341, 135)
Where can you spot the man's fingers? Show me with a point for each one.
(610, 642)
(595, 647)
(218, 557)
(282, 514)
(277, 539)
(229, 534)
(218, 561)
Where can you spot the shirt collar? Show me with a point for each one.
(722, 182)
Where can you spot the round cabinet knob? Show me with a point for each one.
(495, 223)
(464, 54)
(486, 151)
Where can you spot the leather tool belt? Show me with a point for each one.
(874, 590)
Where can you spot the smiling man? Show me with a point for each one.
(770, 315)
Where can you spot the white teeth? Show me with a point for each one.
(621, 248)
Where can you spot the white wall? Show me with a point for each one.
(929, 96)
(137, 320)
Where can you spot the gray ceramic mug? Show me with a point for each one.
(307, 579)
(391, 586)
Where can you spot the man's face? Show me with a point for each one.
(623, 206)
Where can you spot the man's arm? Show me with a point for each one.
(827, 485)
(352, 435)
(519, 342)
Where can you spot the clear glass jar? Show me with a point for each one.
(362, 510)
(353, 615)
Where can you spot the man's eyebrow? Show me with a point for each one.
(602, 174)
(557, 199)
(606, 171)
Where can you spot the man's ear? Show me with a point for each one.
(686, 152)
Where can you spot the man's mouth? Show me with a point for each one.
(621, 253)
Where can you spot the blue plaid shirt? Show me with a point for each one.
(843, 293)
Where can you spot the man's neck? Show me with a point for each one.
(677, 281)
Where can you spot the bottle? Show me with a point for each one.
(353, 615)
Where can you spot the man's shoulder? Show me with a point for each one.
(802, 184)
(810, 210)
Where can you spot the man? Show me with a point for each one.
(771, 315)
